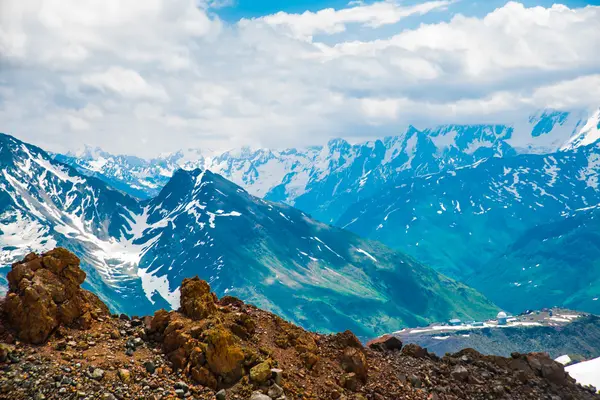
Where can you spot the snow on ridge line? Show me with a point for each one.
(366, 254)
(586, 372)
(564, 359)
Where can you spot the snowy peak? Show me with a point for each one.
(545, 121)
(136, 253)
(325, 180)
(588, 134)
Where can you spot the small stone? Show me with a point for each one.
(124, 375)
(260, 373)
(129, 352)
(460, 373)
(259, 396)
(277, 375)
(180, 393)
(183, 386)
(498, 389)
(275, 391)
(150, 367)
(415, 381)
(349, 381)
(97, 374)
(221, 395)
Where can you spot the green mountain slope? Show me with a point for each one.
(555, 264)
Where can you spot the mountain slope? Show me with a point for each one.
(553, 263)
(133, 175)
(225, 346)
(325, 181)
(458, 221)
(578, 337)
(136, 252)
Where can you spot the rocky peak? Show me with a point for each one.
(45, 293)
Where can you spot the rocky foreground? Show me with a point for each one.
(60, 342)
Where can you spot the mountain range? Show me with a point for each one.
(137, 251)
(468, 200)
(325, 180)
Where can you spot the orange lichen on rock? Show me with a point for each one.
(45, 293)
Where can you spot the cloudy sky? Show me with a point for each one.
(145, 77)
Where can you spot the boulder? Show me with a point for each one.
(547, 368)
(45, 293)
(260, 373)
(460, 373)
(224, 356)
(197, 301)
(414, 350)
(349, 381)
(204, 377)
(347, 339)
(385, 343)
(354, 360)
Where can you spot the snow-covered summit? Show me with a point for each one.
(309, 177)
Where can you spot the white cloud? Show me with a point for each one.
(381, 109)
(125, 82)
(158, 75)
(329, 21)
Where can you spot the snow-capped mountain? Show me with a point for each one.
(137, 252)
(325, 180)
(463, 221)
(133, 175)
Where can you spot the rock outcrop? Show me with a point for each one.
(229, 350)
(387, 342)
(45, 293)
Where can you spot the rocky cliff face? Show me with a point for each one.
(229, 350)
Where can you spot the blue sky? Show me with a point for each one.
(146, 77)
(258, 8)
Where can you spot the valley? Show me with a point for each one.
(557, 332)
(483, 204)
(272, 255)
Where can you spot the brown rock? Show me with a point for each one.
(160, 321)
(124, 375)
(231, 301)
(179, 358)
(347, 339)
(44, 293)
(414, 350)
(387, 342)
(350, 381)
(309, 359)
(223, 356)
(354, 360)
(197, 357)
(197, 302)
(204, 377)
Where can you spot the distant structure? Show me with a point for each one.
(502, 318)
(477, 323)
(455, 322)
